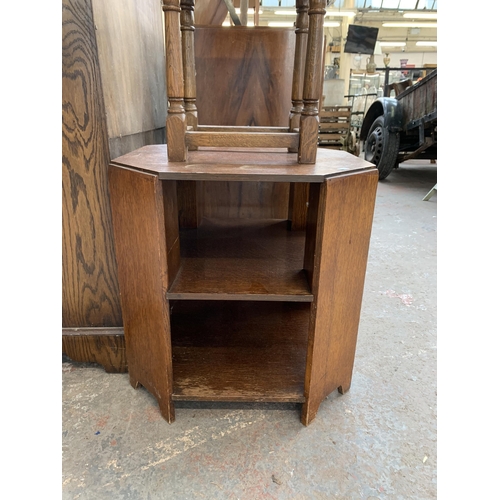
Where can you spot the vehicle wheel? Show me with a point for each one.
(381, 148)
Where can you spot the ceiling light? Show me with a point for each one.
(392, 44)
(421, 15)
(409, 25)
(427, 44)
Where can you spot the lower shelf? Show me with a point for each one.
(239, 351)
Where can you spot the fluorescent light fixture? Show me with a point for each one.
(421, 15)
(331, 24)
(280, 24)
(409, 25)
(340, 13)
(331, 13)
(426, 44)
(392, 44)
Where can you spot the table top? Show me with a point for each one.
(272, 165)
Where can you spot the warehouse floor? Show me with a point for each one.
(378, 441)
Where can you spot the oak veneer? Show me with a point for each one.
(239, 309)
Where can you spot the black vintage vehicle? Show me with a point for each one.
(398, 129)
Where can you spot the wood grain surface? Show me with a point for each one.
(210, 12)
(241, 259)
(242, 139)
(239, 351)
(244, 200)
(143, 254)
(90, 290)
(297, 206)
(105, 346)
(340, 219)
(132, 60)
(232, 165)
(244, 75)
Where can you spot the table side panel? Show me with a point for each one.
(139, 225)
(344, 223)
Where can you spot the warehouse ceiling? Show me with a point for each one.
(404, 25)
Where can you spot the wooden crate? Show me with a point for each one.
(334, 126)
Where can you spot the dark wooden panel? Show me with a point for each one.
(245, 200)
(297, 207)
(239, 351)
(90, 286)
(139, 226)
(241, 260)
(96, 345)
(244, 75)
(190, 203)
(235, 165)
(345, 215)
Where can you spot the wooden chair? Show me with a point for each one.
(183, 131)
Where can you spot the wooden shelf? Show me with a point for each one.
(239, 351)
(241, 259)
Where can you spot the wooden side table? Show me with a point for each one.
(241, 309)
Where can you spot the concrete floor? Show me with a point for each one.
(378, 441)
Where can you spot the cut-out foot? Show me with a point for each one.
(344, 388)
(134, 382)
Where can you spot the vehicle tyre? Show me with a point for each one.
(381, 147)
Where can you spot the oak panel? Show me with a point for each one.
(90, 290)
(342, 232)
(141, 243)
(105, 346)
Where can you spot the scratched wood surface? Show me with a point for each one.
(90, 292)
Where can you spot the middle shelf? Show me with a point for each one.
(241, 259)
